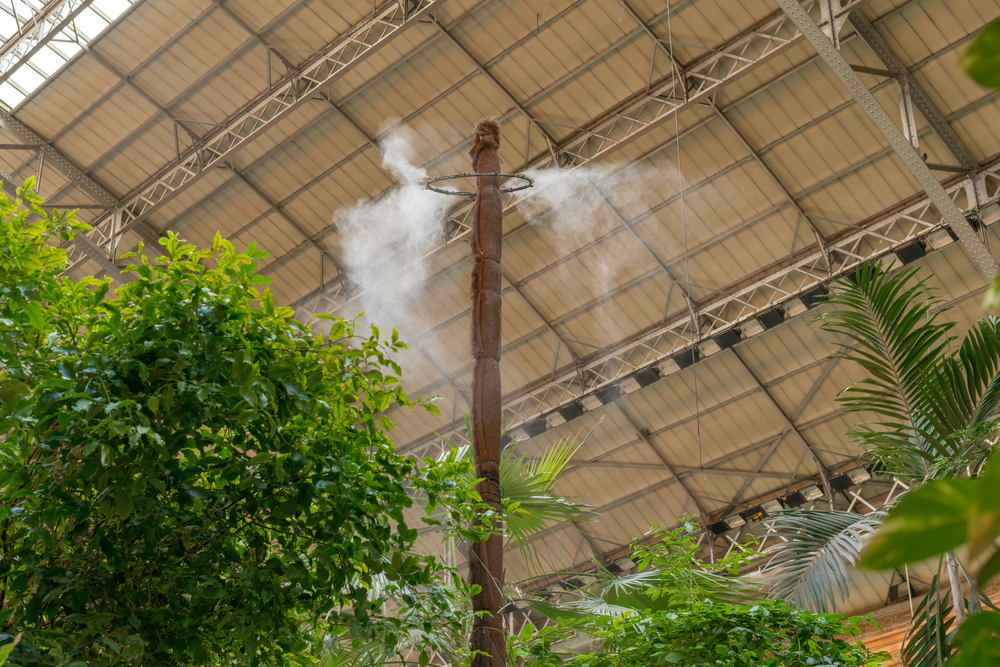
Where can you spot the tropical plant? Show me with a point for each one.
(527, 486)
(811, 569)
(530, 506)
(669, 576)
(934, 520)
(677, 610)
(934, 404)
(187, 474)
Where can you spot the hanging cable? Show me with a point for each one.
(687, 270)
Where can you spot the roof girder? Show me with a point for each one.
(607, 133)
(261, 114)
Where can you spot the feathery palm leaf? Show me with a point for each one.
(610, 595)
(927, 641)
(892, 332)
(810, 569)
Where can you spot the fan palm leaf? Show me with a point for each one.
(811, 568)
(530, 503)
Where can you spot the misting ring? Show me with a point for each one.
(529, 182)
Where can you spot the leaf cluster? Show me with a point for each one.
(187, 473)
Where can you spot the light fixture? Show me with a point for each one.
(710, 347)
(792, 500)
(718, 528)
(687, 357)
(535, 428)
(609, 394)
(751, 328)
(625, 564)
(629, 385)
(817, 297)
(668, 366)
(772, 318)
(910, 253)
(591, 402)
(647, 376)
(795, 307)
(728, 338)
(554, 419)
(772, 506)
(940, 238)
(811, 492)
(572, 411)
(990, 214)
(859, 475)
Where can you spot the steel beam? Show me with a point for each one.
(614, 129)
(253, 33)
(777, 181)
(76, 175)
(694, 252)
(261, 114)
(871, 240)
(50, 20)
(904, 149)
(643, 435)
(824, 471)
(870, 36)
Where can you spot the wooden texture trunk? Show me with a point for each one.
(486, 558)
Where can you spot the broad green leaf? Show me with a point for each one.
(927, 522)
(982, 59)
(123, 499)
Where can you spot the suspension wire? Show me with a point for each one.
(687, 270)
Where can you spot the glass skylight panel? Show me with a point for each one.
(26, 23)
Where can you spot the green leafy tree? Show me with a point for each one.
(188, 474)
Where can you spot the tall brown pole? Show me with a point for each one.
(486, 558)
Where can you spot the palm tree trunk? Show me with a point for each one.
(957, 599)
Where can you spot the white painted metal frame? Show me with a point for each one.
(295, 90)
(51, 19)
(900, 144)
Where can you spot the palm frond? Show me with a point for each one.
(810, 569)
(528, 499)
(892, 331)
(927, 641)
(526, 490)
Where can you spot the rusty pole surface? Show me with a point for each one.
(486, 558)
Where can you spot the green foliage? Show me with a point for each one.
(669, 577)
(935, 404)
(676, 611)
(188, 474)
(937, 518)
(768, 634)
(982, 59)
(527, 489)
(811, 566)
